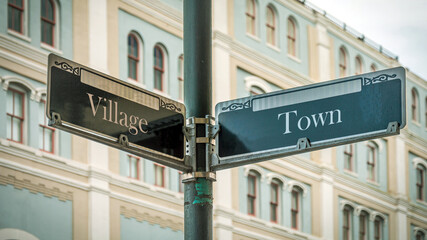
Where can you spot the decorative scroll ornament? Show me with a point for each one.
(237, 106)
(378, 79)
(67, 67)
(169, 106)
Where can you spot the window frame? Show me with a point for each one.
(45, 126)
(12, 115)
(138, 159)
(372, 165)
(53, 23)
(271, 26)
(21, 11)
(349, 155)
(274, 203)
(358, 65)
(130, 57)
(251, 17)
(295, 194)
(420, 186)
(414, 105)
(342, 62)
(252, 198)
(291, 35)
(363, 233)
(347, 223)
(181, 77)
(163, 171)
(378, 228)
(159, 69)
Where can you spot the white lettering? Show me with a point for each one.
(287, 120)
(308, 123)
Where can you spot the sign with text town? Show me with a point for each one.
(91, 104)
(312, 117)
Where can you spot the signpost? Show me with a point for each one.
(107, 110)
(312, 117)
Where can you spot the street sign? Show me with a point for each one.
(93, 105)
(312, 117)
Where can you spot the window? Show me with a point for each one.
(348, 157)
(180, 184)
(133, 57)
(48, 22)
(46, 133)
(254, 90)
(271, 26)
(426, 112)
(250, 16)
(133, 166)
(15, 13)
(378, 228)
(346, 224)
(295, 208)
(420, 175)
(359, 65)
(363, 226)
(159, 172)
(252, 182)
(373, 68)
(414, 106)
(159, 69)
(15, 115)
(292, 37)
(181, 77)
(342, 62)
(420, 235)
(371, 161)
(274, 201)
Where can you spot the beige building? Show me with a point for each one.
(54, 185)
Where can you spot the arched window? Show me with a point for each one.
(181, 77)
(254, 90)
(15, 18)
(48, 22)
(251, 17)
(359, 65)
(342, 62)
(133, 56)
(349, 157)
(271, 26)
(420, 182)
(292, 37)
(373, 67)
(159, 175)
(46, 133)
(15, 114)
(296, 194)
(378, 228)
(414, 106)
(275, 193)
(420, 235)
(363, 225)
(159, 68)
(372, 161)
(347, 223)
(252, 200)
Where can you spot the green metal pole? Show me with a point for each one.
(198, 102)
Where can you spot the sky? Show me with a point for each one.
(400, 26)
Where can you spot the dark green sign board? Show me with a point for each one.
(99, 107)
(312, 117)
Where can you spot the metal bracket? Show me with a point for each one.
(211, 131)
(190, 177)
(393, 127)
(124, 140)
(303, 143)
(56, 119)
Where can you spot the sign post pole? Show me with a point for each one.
(198, 100)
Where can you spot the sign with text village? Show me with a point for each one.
(93, 105)
(312, 117)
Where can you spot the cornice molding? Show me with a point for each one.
(152, 219)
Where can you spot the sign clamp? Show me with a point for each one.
(210, 133)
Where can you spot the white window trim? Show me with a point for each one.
(253, 81)
(165, 91)
(140, 81)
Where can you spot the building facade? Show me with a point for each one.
(54, 185)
